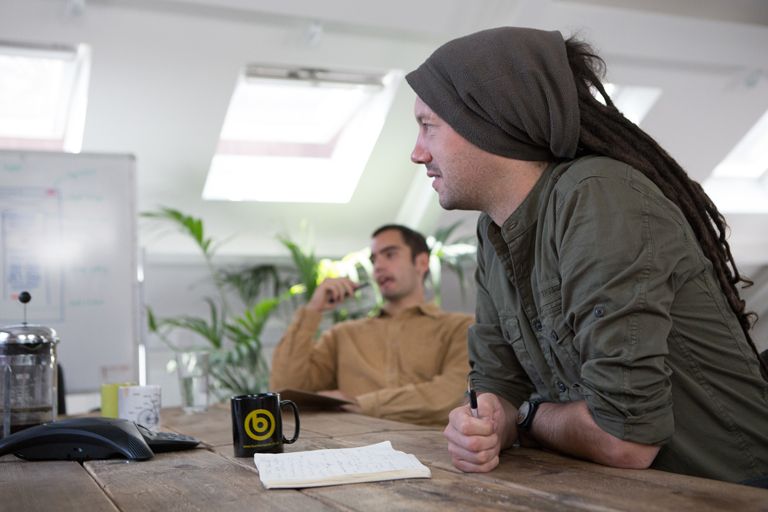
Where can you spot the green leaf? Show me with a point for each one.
(306, 265)
(151, 320)
(187, 224)
(248, 327)
(251, 282)
(443, 234)
(452, 256)
(212, 330)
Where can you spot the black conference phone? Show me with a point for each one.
(82, 439)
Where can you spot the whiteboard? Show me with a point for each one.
(68, 236)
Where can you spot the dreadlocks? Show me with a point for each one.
(605, 131)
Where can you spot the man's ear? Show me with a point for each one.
(422, 263)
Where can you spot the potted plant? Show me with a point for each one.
(234, 338)
(237, 363)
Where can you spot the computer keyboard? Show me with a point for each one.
(166, 441)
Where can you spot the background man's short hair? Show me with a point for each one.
(413, 239)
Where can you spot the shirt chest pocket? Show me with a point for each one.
(510, 328)
(554, 332)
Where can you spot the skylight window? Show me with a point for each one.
(739, 184)
(749, 158)
(632, 100)
(43, 96)
(298, 135)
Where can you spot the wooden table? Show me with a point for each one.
(209, 478)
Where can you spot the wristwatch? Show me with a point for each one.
(526, 412)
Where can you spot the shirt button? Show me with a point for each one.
(599, 311)
(537, 325)
(562, 387)
(554, 336)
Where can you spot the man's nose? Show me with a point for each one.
(379, 266)
(420, 155)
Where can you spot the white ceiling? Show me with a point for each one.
(163, 72)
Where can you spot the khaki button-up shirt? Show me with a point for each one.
(410, 367)
(596, 289)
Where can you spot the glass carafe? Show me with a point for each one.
(28, 394)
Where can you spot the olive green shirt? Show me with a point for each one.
(596, 289)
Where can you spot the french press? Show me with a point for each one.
(28, 394)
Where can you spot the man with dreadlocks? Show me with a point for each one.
(608, 324)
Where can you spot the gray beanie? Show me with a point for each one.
(508, 91)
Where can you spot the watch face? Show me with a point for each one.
(523, 411)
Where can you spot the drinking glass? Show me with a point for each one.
(193, 371)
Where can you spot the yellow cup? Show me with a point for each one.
(109, 398)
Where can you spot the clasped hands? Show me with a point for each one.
(475, 443)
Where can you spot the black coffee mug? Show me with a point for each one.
(257, 423)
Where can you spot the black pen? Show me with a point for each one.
(472, 400)
(357, 287)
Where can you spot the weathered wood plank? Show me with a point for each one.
(444, 491)
(51, 485)
(671, 480)
(212, 427)
(577, 483)
(192, 480)
(526, 479)
(334, 424)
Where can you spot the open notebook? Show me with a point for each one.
(310, 400)
(337, 466)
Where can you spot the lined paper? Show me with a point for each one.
(337, 466)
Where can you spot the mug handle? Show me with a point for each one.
(295, 418)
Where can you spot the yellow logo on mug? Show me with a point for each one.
(259, 424)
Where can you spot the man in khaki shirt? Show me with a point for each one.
(408, 363)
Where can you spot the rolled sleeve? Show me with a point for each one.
(368, 403)
(495, 369)
(621, 247)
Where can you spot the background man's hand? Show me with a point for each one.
(335, 393)
(474, 443)
(330, 293)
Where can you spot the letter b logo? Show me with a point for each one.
(259, 424)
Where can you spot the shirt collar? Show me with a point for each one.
(425, 308)
(526, 215)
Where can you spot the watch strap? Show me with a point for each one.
(524, 423)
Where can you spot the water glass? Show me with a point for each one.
(193, 371)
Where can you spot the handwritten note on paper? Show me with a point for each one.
(337, 466)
